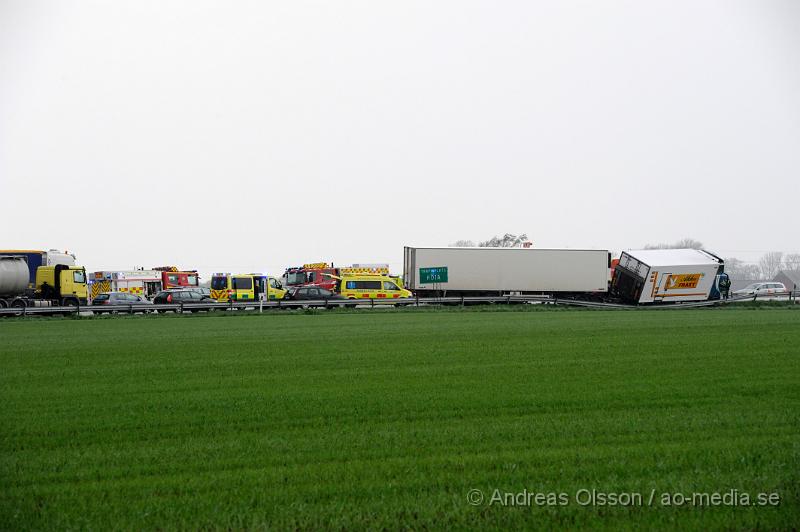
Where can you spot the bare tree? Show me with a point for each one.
(791, 261)
(751, 271)
(507, 241)
(770, 264)
(733, 266)
(738, 270)
(688, 243)
(684, 243)
(463, 244)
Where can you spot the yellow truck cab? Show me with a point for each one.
(67, 284)
(371, 286)
(255, 287)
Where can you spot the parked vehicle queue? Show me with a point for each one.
(257, 287)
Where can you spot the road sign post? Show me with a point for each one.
(433, 275)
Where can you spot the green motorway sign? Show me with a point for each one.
(433, 275)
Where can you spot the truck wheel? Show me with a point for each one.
(19, 304)
(3, 303)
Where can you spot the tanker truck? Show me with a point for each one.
(53, 286)
(39, 257)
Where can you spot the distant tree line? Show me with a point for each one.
(684, 243)
(767, 268)
(768, 265)
(508, 240)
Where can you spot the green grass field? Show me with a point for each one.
(388, 419)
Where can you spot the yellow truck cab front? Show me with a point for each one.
(65, 284)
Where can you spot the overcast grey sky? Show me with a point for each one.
(249, 136)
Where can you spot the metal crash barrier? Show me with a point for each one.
(260, 306)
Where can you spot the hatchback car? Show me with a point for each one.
(117, 298)
(181, 295)
(200, 290)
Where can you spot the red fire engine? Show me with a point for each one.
(172, 278)
(319, 274)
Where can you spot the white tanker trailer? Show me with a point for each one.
(13, 276)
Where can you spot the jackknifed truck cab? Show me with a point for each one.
(666, 276)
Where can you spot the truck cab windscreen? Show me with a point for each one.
(295, 278)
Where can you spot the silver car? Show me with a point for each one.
(767, 288)
(117, 298)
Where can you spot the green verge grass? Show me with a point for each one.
(388, 419)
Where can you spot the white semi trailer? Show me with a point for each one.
(666, 275)
(500, 271)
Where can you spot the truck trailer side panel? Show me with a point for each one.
(475, 270)
(665, 276)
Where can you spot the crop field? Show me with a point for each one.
(402, 419)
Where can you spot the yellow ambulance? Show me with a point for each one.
(220, 287)
(371, 286)
(255, 287)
